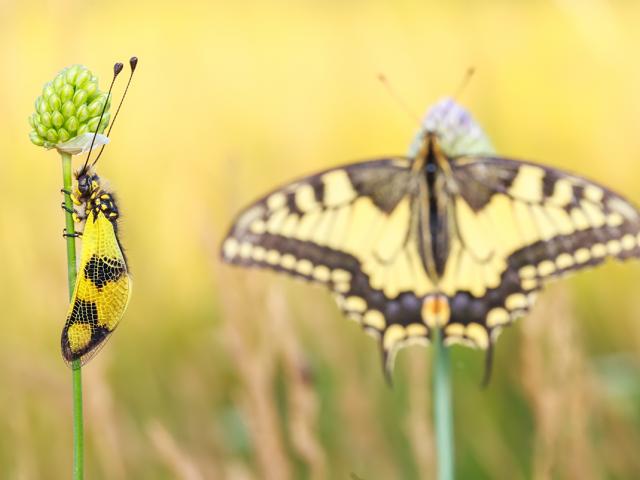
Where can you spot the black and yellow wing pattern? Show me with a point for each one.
(438, 239)
(103, 284)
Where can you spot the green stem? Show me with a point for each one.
(78, 429)
(76, 372)
(442, 409)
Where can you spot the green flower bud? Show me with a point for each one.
(93, 124)
(68, 109)
(52, 136)
(57, 119)
(45, 119)
(95, 107)
(82, 78)
(41, 105)
(66, 92)
(82, 113)
(71, 124)
(42, 130)
(48, 90)
(36, 139)
(54, 102)
(63, 135)
(92, 88)
(70, 105)
(105, 121)
(72, 73)
(58, 82)
(80, 97)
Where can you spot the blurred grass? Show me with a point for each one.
(217, 373)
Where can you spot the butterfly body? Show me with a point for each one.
(103, 284)
(442, 238)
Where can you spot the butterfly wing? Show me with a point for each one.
(352, 229)
(519, 225)
(102, 291)
(515, 225)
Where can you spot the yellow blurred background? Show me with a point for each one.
(220, 373)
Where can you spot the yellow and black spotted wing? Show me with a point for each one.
(103, 284)
(437, 239)
(520, 225)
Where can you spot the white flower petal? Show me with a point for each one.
(80, 144)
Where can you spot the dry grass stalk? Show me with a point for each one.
(103, 427)
(180, 463)
(555, 379)
(302, 398)
(250, 348)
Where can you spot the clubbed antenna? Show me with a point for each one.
(383, 79)
(465, 81)
(451, 106)
(117, 68)
(133, 63)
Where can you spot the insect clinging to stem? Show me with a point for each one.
(103, 285)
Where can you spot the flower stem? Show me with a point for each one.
(76, 372)
(442, 409)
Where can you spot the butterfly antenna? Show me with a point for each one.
(117, 68)
(133, 63)
(465, 81)
(383, 79)
(454, 99)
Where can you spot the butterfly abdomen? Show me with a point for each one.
(433, 217)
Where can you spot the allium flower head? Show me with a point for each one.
(69, 107)
(458, 132)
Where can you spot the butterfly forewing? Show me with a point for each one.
(341, 211)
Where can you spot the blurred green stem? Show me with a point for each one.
(443, 409)
(76, 372)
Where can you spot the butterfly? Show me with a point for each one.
(449, 237)
(103, 285)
